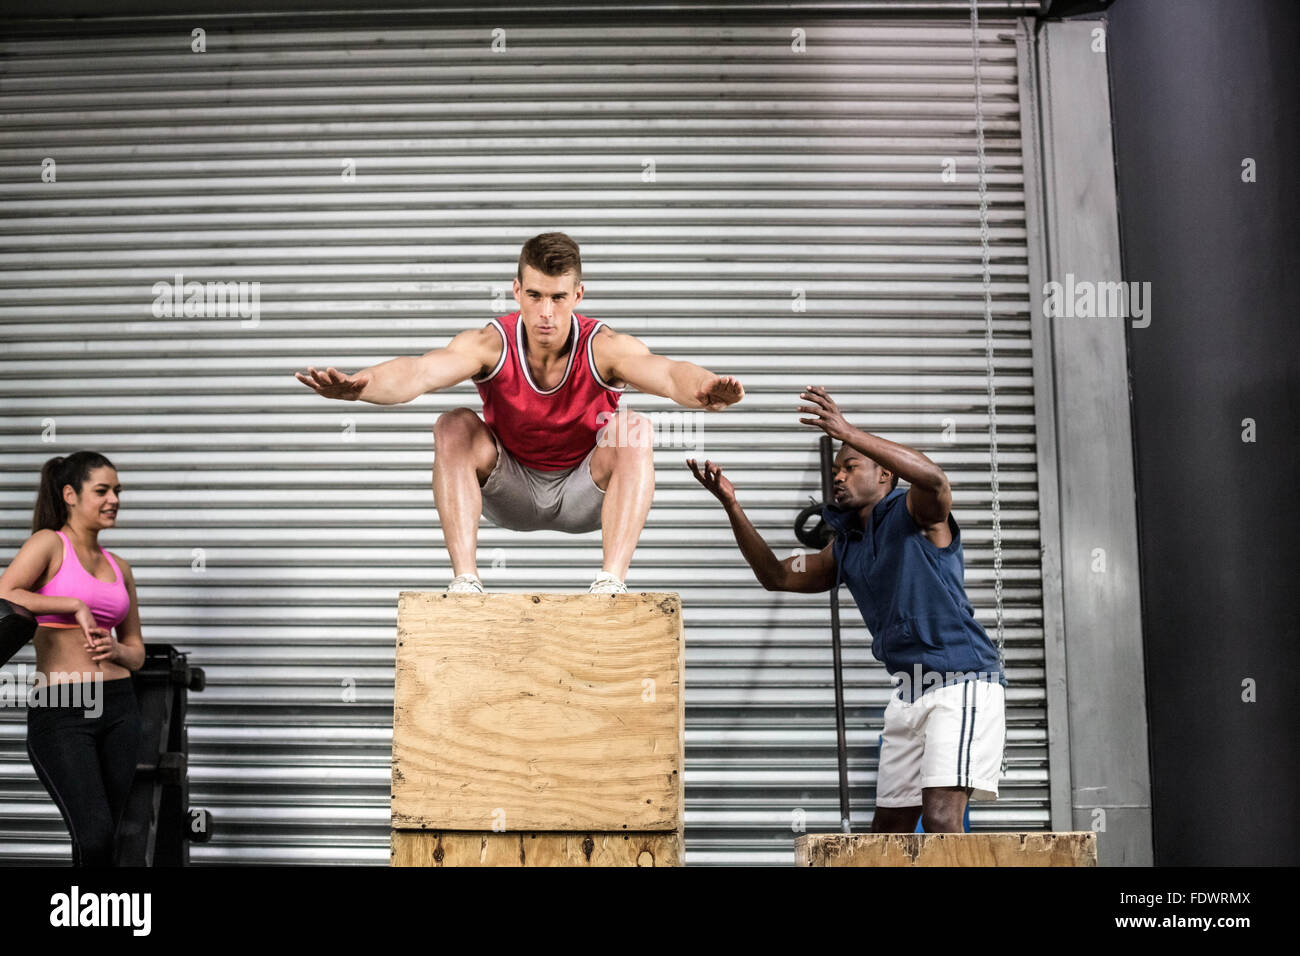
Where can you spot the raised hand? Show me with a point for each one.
(332, 383)
(825, 414)
(713, 479)
(719, 392)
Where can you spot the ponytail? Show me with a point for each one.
(51, 510)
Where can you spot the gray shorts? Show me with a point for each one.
(524, 499)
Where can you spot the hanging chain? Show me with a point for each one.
(988, 347)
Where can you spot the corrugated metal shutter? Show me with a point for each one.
(778, 177)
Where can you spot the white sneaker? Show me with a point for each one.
(465, 584)
(606, 583)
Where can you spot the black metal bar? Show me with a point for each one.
(841, 737)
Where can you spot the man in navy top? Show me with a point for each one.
(899, 552)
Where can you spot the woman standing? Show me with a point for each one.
(86, 754)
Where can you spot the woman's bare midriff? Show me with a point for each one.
(61, 657)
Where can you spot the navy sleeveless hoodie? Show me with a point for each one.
(912, 597)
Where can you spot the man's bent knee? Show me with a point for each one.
(629, 434)
(460, 436)
(457, 425)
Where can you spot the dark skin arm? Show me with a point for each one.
(929, 500)
(804, 573)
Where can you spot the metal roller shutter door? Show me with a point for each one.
(777, 176)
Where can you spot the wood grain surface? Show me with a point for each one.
(1072, 848)
(538, 712)
(465, 848)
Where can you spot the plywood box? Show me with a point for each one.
(464, 848)
(538, 712)
(1072, 848)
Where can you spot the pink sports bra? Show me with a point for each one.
(108, 601)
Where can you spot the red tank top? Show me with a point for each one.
(547, 429)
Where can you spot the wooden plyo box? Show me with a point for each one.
(538, 729)
(1070, 848)
(462, 848)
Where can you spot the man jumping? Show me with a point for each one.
(899, 551)
(552, 450)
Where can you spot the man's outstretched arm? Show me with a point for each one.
(627, 358)
(805, 573)
(929, 499)
(407, 377)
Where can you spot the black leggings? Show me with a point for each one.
(87, 763)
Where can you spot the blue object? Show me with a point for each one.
(912, 597)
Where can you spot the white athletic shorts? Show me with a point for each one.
(951, 736)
